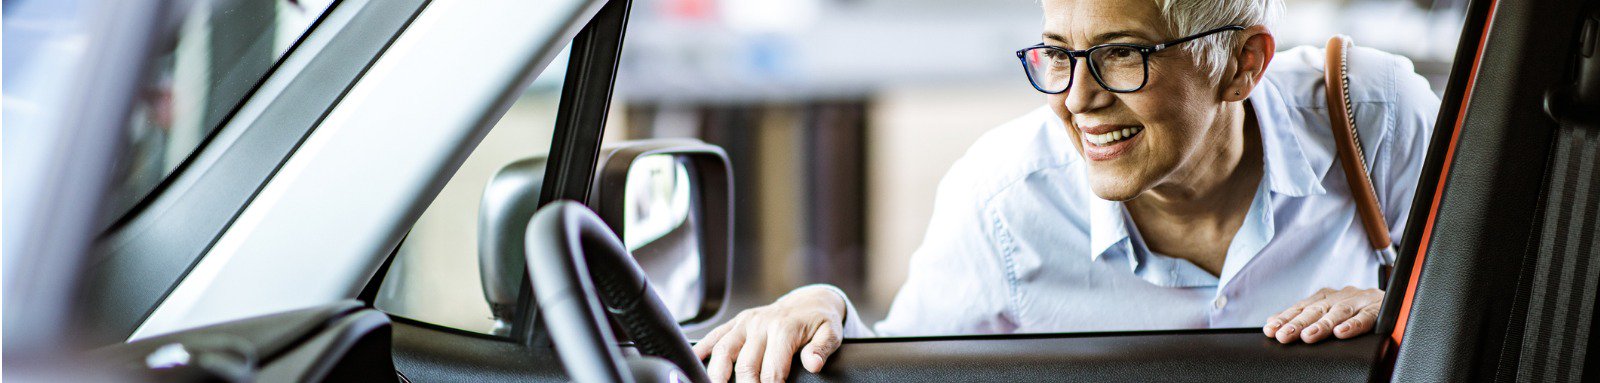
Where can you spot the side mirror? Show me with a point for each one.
(670, 200)
(510, 198)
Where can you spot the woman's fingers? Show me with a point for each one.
(782, 340)
(1364, 320)
(1291, 331)
(747, 368)
(1277, 321)
(760, 343)
(1344, 313)
(1323, 327)
(822, 345)
(702, 349)
(722, 354)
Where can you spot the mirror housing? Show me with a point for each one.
(512, 195)
(615, 197)
(509, 200)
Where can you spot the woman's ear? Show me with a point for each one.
(1250, 63)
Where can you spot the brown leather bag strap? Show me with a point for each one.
(1347, 143)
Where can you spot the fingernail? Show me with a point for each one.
(1312, 331)
(813, 362)
(1342, 328)
(1289, 329)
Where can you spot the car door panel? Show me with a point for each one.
(1505, 291)
(429, 353)
(336, 342)
(1236, 355)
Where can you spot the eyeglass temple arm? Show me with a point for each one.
(1195, 36)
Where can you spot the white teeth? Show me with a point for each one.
(1112, 136)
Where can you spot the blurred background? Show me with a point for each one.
(840, 117)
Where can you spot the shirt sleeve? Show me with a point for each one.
(957, 282)
(1416, 108)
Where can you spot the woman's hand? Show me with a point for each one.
(1344, 313)
(758, 344)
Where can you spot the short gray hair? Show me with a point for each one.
(1188, 17)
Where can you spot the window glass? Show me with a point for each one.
(436, 276)
(222, 50)
(841, 120)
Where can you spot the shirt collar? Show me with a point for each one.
(1107, 226)
(1289, 170)
(1110, 229)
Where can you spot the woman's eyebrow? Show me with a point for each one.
(1113, 35)
(1098, 39)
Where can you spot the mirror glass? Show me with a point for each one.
(661, 230)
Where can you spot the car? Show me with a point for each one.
(269, 253)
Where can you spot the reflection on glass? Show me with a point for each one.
(660, 230)
(222, 50)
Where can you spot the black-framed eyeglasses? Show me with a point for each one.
(1118, 67)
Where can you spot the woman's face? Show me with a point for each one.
(1173, 118)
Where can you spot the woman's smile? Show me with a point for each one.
(1107, 142)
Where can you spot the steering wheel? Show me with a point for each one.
(578, 266)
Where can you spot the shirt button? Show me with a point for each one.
(1220, 302)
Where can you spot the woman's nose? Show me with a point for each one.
(1086, 94)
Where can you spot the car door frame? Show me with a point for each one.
(1471, 313)
(141, 257)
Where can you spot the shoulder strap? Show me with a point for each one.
(1347, 143)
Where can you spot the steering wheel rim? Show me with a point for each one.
(581, 272)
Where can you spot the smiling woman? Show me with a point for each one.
(1180, 176)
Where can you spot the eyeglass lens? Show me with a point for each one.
(1118, 68)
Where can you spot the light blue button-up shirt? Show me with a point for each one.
(1019, 243)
